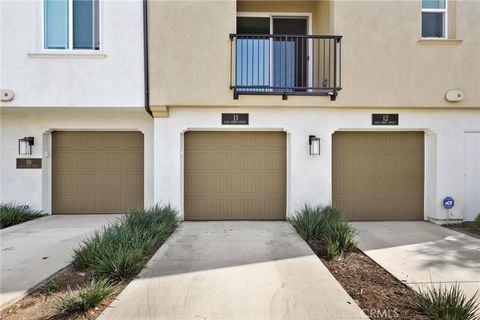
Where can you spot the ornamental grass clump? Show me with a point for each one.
(328, 225)
(85, 297)
(448, 303)
(12, 214)
(120, 250)
(52, 286)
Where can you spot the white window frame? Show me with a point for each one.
(70, 31)
(445, 20)
(285, 15)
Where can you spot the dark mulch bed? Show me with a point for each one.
(468, 228)
(379, 294)
(39, 305)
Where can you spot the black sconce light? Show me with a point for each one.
(25, 145)
(314, 143)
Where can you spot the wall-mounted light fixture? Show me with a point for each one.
(314, 143)
(25, 145)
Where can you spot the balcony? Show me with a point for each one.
(286, 65)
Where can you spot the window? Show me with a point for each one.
(71, 24)
(434, 18)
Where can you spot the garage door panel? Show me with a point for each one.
(118, 202)
(378, 184)
(133, 181)
(379, 175)
(106, 202)
(249, 161)
(112, 182)
(86, 141)
(70, 203)
(211, 161)
(97, 172)
(196, 185)
(210, 209)
(234, 175)
(380, 207)
(217, 161)
(274, 185)
(75, 181)
(109, 161)
(65, 160)
(274, 161)
(390, 162)
(235, 209)
(249, 184)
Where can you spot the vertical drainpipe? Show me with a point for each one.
(145, 58)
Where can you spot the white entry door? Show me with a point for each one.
(472, 175)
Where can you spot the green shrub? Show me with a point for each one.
(12, 214)
(328, 225)
(88, 251)
(311, 222)
(339, 236)
(52, 286)
(87, 297)
(118, 264)
(477, 220)
(443, 303)
(119, 251)
(332, 249)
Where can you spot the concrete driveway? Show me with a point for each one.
(33, 251)
(234, 270)
(421, 253)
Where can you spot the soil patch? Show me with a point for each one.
(468, 228)
(379, 294)
(39, 305)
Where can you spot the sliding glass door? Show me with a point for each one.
(290, 64)
(271, 55)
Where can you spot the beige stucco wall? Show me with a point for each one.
(383, 63)
(189, 51)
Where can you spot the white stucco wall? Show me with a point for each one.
(32, 186)
(309, 178)
(112, 76)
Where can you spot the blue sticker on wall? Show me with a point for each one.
(448, 202)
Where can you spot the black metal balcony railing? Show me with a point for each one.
(285, 65)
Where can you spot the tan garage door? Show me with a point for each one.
(97, 172)
(235, 175)
(379, 175)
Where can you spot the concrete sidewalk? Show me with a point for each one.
(35, 250)
(234, 270)
(420, 253)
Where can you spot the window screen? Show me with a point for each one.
(432, 25)
(434, 17)
(85, 24)
(56, 24)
